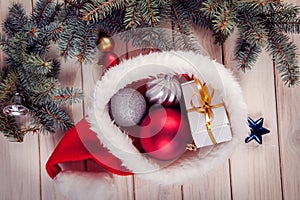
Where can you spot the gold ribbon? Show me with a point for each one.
(205, 105)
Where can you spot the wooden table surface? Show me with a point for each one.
(268, 171)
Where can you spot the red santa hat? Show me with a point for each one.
(102, 141)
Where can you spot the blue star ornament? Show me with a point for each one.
(256, 130)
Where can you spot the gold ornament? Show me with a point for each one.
(105, 44)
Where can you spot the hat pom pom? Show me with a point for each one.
(72, 184)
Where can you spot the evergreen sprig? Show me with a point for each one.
(264, 25)
(256, 21)
(74, 25)
(30, 71)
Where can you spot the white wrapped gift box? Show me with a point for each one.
(219, 122)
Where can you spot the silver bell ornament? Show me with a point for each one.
(164, 90)
(16, 108)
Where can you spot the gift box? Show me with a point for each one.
(208, 122)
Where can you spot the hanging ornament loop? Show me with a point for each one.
(205, 105)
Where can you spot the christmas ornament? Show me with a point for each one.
(109, 60)
(257, 130)
(16, 108)
(165, 134)
(105, 44)
(164, 90)
(127, 107)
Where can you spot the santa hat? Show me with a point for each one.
(112, 149)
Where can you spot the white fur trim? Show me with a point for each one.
(191, 164)
(78, 185)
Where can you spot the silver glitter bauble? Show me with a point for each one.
(164, 90)
(127, 107)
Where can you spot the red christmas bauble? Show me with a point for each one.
(109, 60)
(164, 134)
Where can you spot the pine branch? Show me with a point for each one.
(9, 128)
(16, 20)
(286, 57)
(35, 63)
(99, 9)
(55, 70)
(133, 16)
(44, 12)
(288, 26)
(246, 54)
(6, 86)
(87, 43)
(195, 14)
(113, 23)
(148, 38)
(49, 117)
(178, 22)
(78, 40)
(50, 32)
(252, 30)
(66, 96)
(150, 10)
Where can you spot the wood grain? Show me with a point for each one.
(289, 134)
(216, 185)
(268, 171)
(70, 75)
(19, 171)
(255, 169)
(91, 73)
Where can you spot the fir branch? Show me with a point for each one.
(66, 45)
(50, 32)
(246, 54)
(291, 25)
(45, 12)
(148, 38)
(16, 20)
(252, 30)
(113, 23)
(9, 128)
(66, 96)
(55, 70)
(87, 43)
(286, 57)
(195, 14)
(99, 9)
(223, 21)
(6, 85)
(77, 4)
(133, 16)
(150, 12)
(178, 22)
(209, 7)
(36, 65)
(78, 40)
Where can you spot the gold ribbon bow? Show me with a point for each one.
(205, 105)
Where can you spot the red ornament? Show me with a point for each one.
(109, 60)
(182, 78)
(164, 134)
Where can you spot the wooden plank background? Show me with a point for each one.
(268, 171)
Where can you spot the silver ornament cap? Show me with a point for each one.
(164, 90)
(127, 107)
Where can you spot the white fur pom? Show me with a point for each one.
(78, 185)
